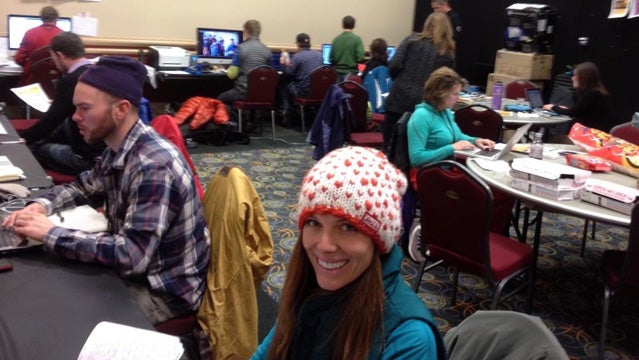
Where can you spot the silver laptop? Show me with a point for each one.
(10, 242)
(497, 154)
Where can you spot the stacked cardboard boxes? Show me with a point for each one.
(515, 65)
(547, 179)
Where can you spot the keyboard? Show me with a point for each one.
(10, 239)
(487, 152)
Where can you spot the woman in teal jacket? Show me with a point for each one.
(433, 134)
(344, 296)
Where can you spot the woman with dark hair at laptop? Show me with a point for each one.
(433, 135)
(592, 105)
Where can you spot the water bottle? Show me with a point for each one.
(498, 91)
(537, 147)
(635, 120)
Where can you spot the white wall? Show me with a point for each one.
(281, 20)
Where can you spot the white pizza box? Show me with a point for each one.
(555, 193)
(607, 202)
(550, 170)
(625, 194)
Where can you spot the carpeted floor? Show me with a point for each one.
(568, 291)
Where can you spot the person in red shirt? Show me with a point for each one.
(36, 38)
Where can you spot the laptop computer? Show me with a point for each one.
(326, 54)
(496, 154)
(536, 102)
(10, 242)
(534, 98)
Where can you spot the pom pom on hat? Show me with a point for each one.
(360, 185)
(119, 76)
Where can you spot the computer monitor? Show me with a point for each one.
(390, 50)
(17, 25)
(326, 54)
(217, 46)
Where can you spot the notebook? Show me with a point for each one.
(496, 154)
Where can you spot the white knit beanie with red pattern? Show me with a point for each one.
(360, 185)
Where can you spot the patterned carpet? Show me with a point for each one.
(568, 291)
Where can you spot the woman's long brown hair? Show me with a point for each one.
(361, 320)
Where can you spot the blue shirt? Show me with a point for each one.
(302, 64)
(157, 234)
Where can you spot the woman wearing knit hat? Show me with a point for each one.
(344, 296)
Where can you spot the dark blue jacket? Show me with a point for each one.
(328, 133)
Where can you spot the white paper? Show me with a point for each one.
(85, 25)
(82, 217)
(34, 96)
(121, 342)
(8, 171)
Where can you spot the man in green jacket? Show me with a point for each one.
(347, 49)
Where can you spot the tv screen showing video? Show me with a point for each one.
(217, 43)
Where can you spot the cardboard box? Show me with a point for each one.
(525, 66)
(560, 174)
(557, 193)
(609, 203)
(505, 79)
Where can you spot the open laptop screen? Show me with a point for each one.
(534, 98)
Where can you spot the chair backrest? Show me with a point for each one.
(481, 121)
(241, 253)
(398, 144)
(629, 274)
(44, 71)
(377, 82)
(321, 79)
(262, 85)
(626, 131)
(166, 126)
(562, 91)
(450, 195)
(496, 334)
(517, 89)
(359, 104)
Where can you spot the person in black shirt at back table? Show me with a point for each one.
(55, 139)
(592, 106)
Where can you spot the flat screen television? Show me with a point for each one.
(217, 46)
(17, 25)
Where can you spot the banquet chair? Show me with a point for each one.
(241, 254)
(517, 89)
(358, 132)
(480, 121)
(497, 335)
(260, 95)
(321, 79)
(620, 272)
(448, 191)
(625, 131)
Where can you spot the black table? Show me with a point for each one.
(48, 306)
(20, 156)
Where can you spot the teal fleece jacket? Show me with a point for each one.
(431, 134)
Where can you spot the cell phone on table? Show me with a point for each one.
(5, 265)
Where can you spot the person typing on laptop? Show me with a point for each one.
(158, 240)
(433, 135)
(432, 132)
